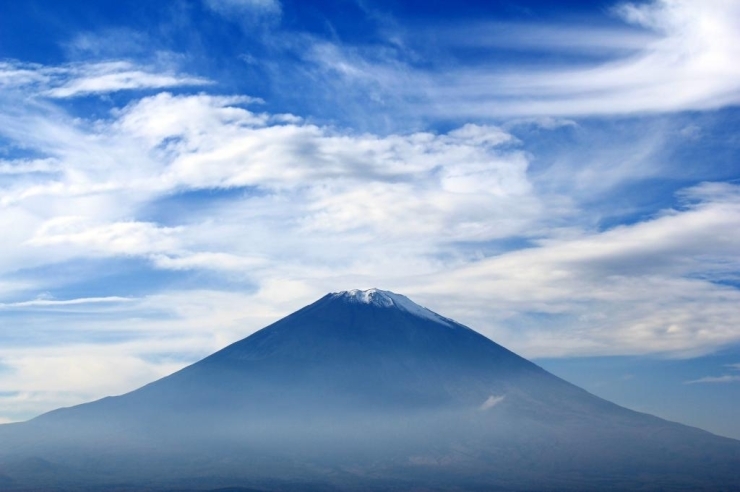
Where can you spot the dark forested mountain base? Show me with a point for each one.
(361, 391)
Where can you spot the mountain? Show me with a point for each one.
(362, 390)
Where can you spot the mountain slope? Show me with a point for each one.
(363, 389)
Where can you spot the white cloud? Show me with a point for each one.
(310, 180)
(718, 379)
(118, 81)
(21, 74)
(43, 303)
(492, 401)
(28, 166)
(119, 238)
(81, 372)
(216, 261)
(90, 78)
(245, 9)
(458, 180)
(595, 40)
(684, 59)
(689, 67)
(39, 380)
(727, 378)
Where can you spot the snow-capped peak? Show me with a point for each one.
(376, 297)
(387, 299)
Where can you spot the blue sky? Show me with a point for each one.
(561, 176)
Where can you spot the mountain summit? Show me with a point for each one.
(384, 298)
(362, 390)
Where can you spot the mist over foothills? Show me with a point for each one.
(562, 178)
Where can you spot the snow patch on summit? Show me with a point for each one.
(387, 299)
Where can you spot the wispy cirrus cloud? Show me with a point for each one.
(107, 78)
(52, 303)
(725, 378)
(246, 11)
(83, 79)
(599, 41)
(670, 55)
(28, 166)
(687, 67)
